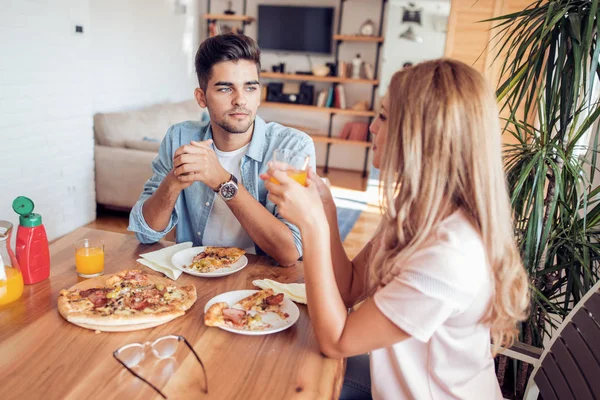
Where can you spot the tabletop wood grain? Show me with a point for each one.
(44, 356)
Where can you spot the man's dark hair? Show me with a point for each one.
(228, 47)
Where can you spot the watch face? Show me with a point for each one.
(229, 190)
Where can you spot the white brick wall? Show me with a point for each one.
(46, 139)
(131, 54)
(142, 53)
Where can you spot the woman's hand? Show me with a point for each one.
(322, 188)
(302, 206)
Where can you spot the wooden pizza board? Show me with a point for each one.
(121, 328)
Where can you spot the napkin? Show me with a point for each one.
(295, 291)
(160, 260)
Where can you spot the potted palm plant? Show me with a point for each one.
(549, 85)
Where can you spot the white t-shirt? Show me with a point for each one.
(223, 228)
(439, 298)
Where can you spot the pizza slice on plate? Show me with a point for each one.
(213, 258)
(227, 255)
(247, 313)
(221, 314)
(263, 301)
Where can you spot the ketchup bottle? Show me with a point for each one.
(33, 252)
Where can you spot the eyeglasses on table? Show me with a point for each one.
(132, 354)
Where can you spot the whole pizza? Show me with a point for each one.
(125, 298)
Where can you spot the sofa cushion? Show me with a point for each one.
(113, 129)
(145, 145)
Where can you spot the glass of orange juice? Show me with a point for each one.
(89, 258)
(11, 279)
(295, 164)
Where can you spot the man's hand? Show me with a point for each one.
(197, 161)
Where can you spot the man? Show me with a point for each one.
(206, 176)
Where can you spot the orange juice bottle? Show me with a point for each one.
(11, 279)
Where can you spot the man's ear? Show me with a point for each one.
(200, 97)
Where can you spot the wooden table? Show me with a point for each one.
(43, 356)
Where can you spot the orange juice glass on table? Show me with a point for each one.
(295, 164)
(11, 279)
(89, 258)
(11, 289)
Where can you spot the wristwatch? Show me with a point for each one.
(228, 190)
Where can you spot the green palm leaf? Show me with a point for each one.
(549, 58)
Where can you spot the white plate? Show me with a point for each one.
(277, 323)
(185, 257)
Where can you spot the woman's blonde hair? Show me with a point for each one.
(443, 153)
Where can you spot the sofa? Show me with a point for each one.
(127, 143)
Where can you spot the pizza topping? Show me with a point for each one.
(93, 291)
(200, 257)
(255, 322)
(151, 293)
(237, 317)
(96, 296)
(100, 302)
(135, 275)
(140, 304)
(273, 300)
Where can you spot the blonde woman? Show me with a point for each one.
(442, 279)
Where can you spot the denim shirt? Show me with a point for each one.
(194, 204)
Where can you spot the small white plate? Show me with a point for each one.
(185, 257)
(277, 323)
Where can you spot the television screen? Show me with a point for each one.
(299, 29)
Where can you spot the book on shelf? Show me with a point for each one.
(342, 96)
(329, 101)
(344, 69)
(368, 71)
(213, 29)
(339, 97)
(341, 69)
(321, 98)
(332, 97)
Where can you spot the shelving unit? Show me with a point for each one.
(328, 110)
(322, 137)
(339, 39)
(243, 18)
(314, 78)
(225, 17)
(357, 38)
(327, 137)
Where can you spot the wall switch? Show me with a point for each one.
(78, 28)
